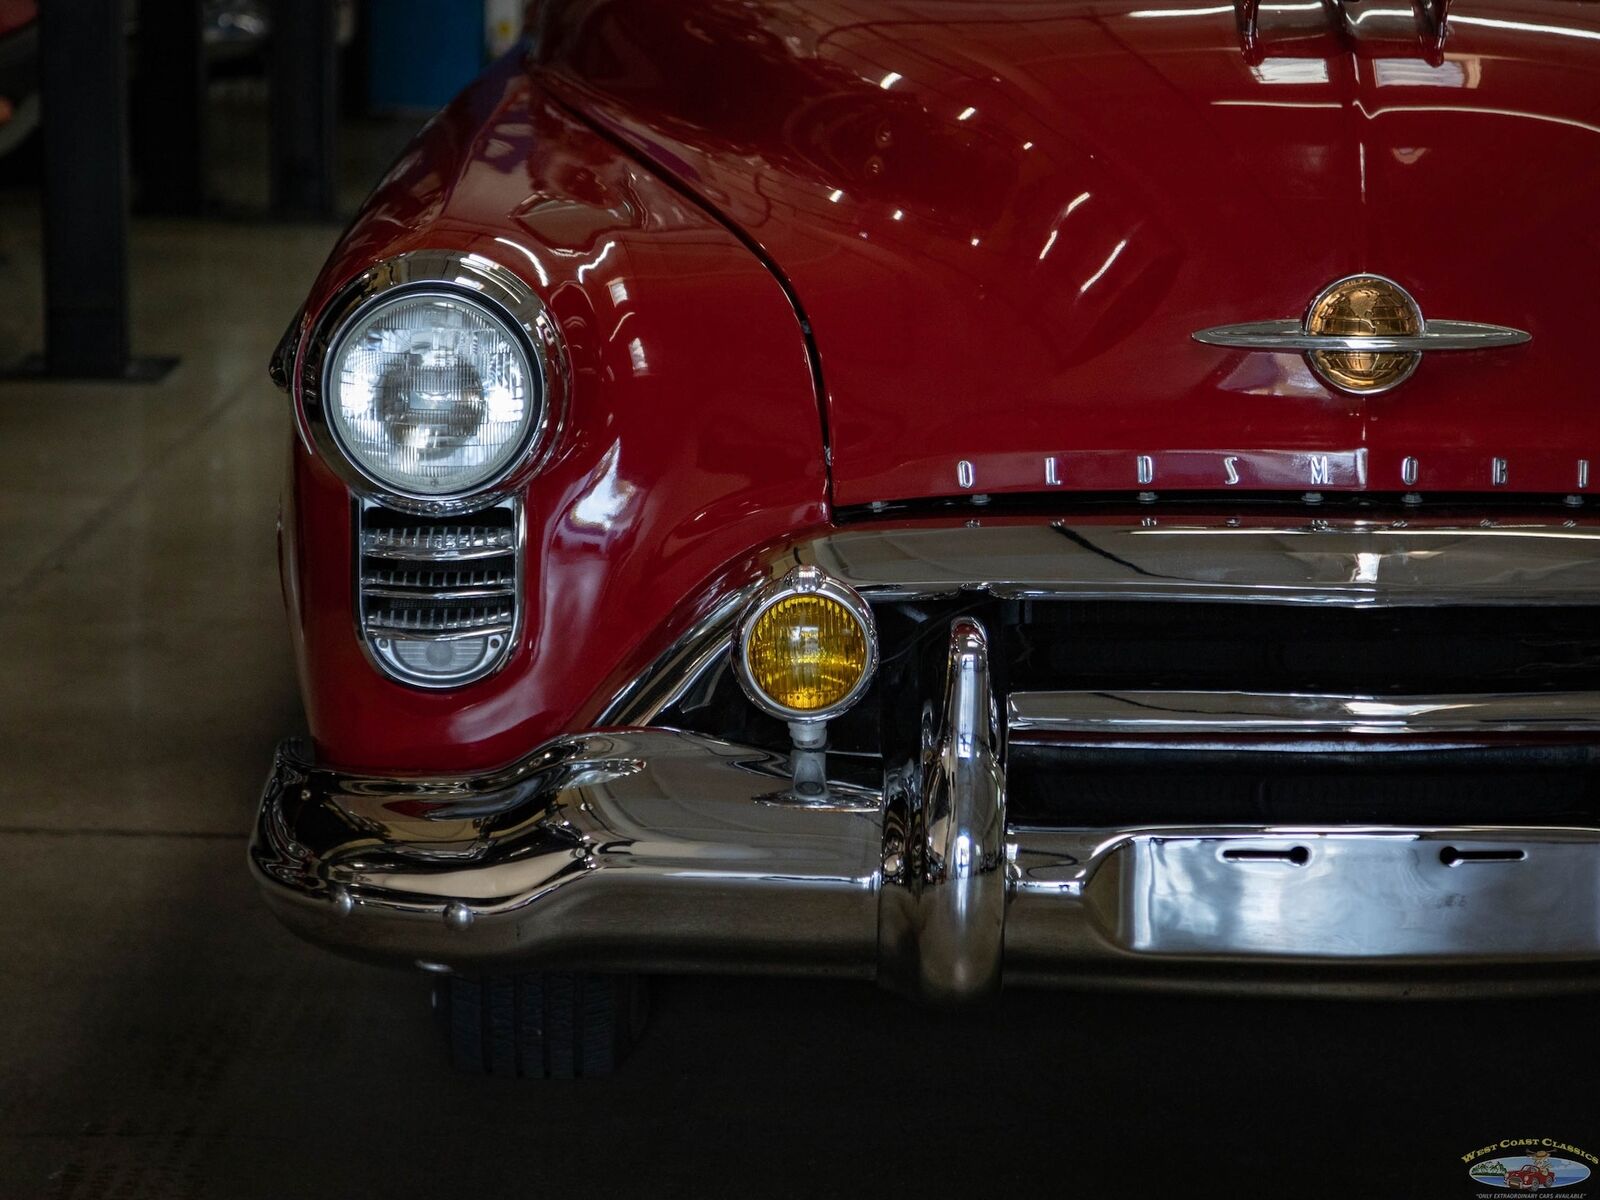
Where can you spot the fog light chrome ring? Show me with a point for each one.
(804, 581)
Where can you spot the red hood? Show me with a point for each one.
(1005, 218)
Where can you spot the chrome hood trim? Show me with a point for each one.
(1291, 335)
(1342, 562)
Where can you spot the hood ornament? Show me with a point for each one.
(1428, 17)
(1363, 334)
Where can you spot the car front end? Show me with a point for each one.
(748, 518)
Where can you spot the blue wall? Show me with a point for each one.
(423, 51)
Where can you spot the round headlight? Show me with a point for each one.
(806, 647)
(432, 394)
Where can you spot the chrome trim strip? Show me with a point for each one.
(1156, 713)
(1291, 336)
(385, 591)
(435, 555)
(943, 910)
(474, 277)
(423, 633)
(1345, 562)
(676, 672)
(431, 545)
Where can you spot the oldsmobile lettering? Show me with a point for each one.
(1339, 470)
(1186, 469)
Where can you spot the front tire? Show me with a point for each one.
(541, 1025)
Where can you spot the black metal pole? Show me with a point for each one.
(168, 111)
(304, 107)
(83, 89)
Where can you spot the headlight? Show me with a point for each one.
(431, 393)
(806, 647)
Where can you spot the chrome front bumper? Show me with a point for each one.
(655, 850)
(658, 851)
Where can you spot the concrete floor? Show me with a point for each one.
(161, 1038)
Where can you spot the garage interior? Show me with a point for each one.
(163, 1037)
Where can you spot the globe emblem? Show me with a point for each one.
(1362, 335)
(1364, 306)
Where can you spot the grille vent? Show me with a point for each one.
(439, 596)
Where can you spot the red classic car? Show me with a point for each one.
(1089, 492)
(1530, 1177)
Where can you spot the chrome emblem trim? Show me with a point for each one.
(1291, 336)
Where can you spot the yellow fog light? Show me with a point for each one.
(807, 653)
(806, 647)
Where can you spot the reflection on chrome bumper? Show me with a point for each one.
(648, 850)
(1331, 895)
(653, 850)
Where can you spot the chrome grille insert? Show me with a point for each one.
(438, 599)
(1251, 714)
(417, 541)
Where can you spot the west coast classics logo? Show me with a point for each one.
(1541, 1165)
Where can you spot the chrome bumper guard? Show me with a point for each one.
(656, 850)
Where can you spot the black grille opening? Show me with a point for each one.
(1499, 785)
(1111, 645)
(1299, 648)
(1061, 645)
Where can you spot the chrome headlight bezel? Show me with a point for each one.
(479, 281)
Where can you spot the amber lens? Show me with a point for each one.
(1364, 307)
(806, 652)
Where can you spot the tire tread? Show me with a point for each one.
(542, 1025)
